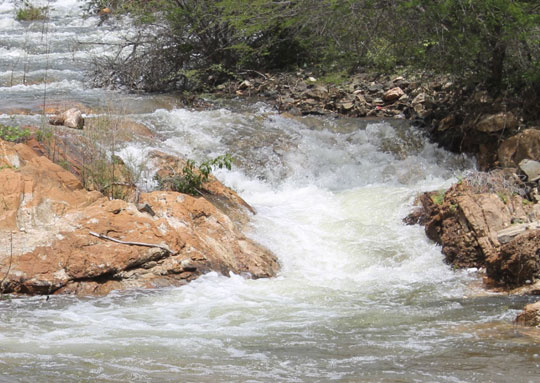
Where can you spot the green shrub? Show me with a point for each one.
(14, 134)
(31, 13)
(193, 177)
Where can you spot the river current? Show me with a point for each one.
(361, 297)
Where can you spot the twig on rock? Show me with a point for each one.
(166, 248)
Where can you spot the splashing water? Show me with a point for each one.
(360, 297)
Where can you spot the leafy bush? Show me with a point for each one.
(193, 177)
(194, 44)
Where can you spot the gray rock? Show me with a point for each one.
(531, 169)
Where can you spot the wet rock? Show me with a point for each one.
(517, 261)
(136, 129)
(497, 122)
(530, 316)
(467, 223)
(52, 219)
(104, 11)
(484, 229)
(71, 118)
(524, 145)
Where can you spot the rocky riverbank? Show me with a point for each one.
(57, 237)
(487, 221)
(462, 119)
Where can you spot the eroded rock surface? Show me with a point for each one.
(48, 219)
(468, 225)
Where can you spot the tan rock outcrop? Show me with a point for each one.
(468, 225)
(49, 221)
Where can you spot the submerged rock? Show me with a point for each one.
(66, 239)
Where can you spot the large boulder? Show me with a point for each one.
(464, 223)
(479, 228)
(56, 237)
(524, 145)
(71, 118)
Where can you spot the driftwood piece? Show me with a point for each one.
(101, 236)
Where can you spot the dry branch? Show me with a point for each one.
(101, 236)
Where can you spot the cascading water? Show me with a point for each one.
(360, 298)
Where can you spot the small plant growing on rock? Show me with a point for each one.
(193, 177)
(102, 169)
(29, 12)
(438, 197)
(14, 134)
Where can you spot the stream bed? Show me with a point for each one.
(361, 297)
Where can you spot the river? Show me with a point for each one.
(360, 297)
